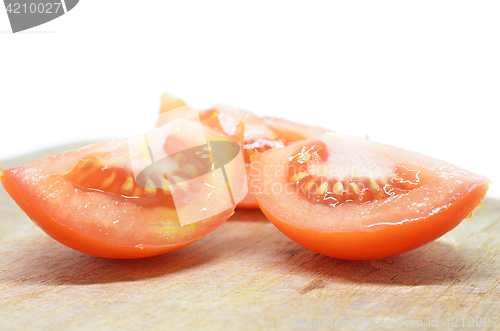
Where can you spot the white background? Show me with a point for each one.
(422, 75)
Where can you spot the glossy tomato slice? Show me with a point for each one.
(90, 199)
(260, 134)
(354, 199)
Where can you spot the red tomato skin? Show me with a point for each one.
(372, 245)
(72, 238)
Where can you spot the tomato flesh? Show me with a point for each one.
(88, 200)
(333, 189)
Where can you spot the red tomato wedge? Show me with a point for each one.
(89, 199)
(260, 134)
(354, 199)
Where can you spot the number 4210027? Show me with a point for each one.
(486, 322)
(32, 8)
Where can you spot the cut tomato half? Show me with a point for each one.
(354, 199)
(260, 134)
(95, 200)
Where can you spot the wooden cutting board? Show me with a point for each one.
(246, 276)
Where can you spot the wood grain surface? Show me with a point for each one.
(246, 276)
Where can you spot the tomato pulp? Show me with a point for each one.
(354, 199)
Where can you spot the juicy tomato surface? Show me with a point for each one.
(260, 134)
(90, 200)
(354, 199)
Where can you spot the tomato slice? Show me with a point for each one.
(91, 200)
(354, 199)
(260, 134)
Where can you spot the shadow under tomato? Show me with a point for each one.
(432, 264)
(49, 262)
(254, 244)
(248, 215)
(436, 263)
